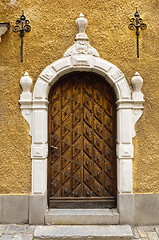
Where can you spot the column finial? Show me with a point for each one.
(81, 45)
(81, 23)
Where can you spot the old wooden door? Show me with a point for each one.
(82, 134)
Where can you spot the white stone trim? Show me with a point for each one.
(3, 29)
(35, 112)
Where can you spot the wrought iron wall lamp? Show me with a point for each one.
(21, 26)
(137, 23)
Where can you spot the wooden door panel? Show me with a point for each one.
(55, 108)
(76, 163)
(76, 179)
(66, 111)
(87, 117)
(98, 127)
(87, 132)
(87, 163)
(107, 122)
(88, 148)
(55, 123)
(98, 158)
(98, 189)
(108, 107)
(98, 112)
(77, 192)
(98, 97)
(82, 134)
(65, 159)
(76, 102)
(55, 139)
(66, 127)
(87, 101)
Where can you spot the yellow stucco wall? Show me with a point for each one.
(53, 31)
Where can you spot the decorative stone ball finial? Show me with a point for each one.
(26, 83)
(81, 23)
(137, 82)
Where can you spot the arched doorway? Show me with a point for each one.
(82, 142)
(84, 58)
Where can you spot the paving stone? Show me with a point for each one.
(135, 234)
(82, 232)
(141, 232)
(152, 235)
(27, 237)
(10, 229)
(149, 228)
(18, 236)
(29, 229)
(157, 229)
(3, 227)
(23, 236)
(20, 228)
(6, 237)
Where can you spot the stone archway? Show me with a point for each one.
(80, 57)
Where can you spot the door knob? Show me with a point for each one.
(53, 147)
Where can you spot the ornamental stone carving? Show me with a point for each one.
(81, 23)
(81, 45)
(137, 82)
(26, 98)
(26, 83)
(3, 28)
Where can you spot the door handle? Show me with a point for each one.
(53, 147)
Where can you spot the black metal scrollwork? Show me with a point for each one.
(137, 23)
(21, 26)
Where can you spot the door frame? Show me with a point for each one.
(35, 111)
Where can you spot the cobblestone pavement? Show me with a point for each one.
(146, 233)
(25, 232)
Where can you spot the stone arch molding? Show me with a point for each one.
(81, 57)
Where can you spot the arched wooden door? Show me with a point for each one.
(82, 135)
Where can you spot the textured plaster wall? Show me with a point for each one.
(53, 31)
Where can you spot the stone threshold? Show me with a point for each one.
(83, 232)
(81, 217)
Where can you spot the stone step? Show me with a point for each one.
(82, 217)
(83, 232)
